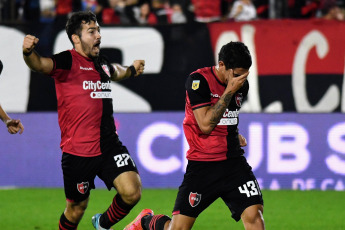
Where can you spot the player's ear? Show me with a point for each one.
(75, 39)
(221, 64)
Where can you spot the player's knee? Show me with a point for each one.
(131, 195)
(79, 212)
(253, 215)
(75, 212)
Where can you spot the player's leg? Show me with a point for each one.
(73, 214)
(252, 217)
(128, 186)
(119, 171)
(193, 197)
(146, 220)
(78, 174)
(242, 194)
(180, 222)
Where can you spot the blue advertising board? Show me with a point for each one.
(286, 151)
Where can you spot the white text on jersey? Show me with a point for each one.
(96, 85)
(86, 68)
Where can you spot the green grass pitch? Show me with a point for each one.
(40, 209)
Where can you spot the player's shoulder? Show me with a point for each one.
(203, 71)
(63, 60)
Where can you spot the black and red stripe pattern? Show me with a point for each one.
(65, 224)
(116, 212)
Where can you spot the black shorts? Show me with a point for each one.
(79, 172)
(204, 182)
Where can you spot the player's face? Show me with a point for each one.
(239, 71)
(236, 73)
(91, 39)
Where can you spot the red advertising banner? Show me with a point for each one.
(298, 65)
(278, 43)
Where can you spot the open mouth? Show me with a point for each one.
(97, 45)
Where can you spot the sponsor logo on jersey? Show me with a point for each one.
(228, 121)
(195, 84)
(98, 89)
(228, 113)
(194, 199)
(98, 85)
(215, 95)
(86, 68)
(106, 70)
(229, 117)
(99, 95)
(83, 187)
(238, 99)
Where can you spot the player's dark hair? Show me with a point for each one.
(235, 55)
(74, 23)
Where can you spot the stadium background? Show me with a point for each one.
(293, 118)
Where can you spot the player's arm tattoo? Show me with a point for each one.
(219, 108)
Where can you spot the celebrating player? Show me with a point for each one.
(216, 165)
(89, 141)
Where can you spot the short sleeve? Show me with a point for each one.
(62, 62)
(198, 91)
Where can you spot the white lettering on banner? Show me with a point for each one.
(274, 185)
(325, 183)
(287, 148)
(255, 137)
(331, 98)
(15, 77)
(332, 184)
(287, 153)
(300, 184)
(145, 142)
(305, 184)
(328, 103)
(336, 141)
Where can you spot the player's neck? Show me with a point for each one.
(219, 74)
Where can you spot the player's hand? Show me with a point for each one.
(235, 83)
(29, 43)
(242, 139)
(15, 126)
(139, 66)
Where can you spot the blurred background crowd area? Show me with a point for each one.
(153, 12)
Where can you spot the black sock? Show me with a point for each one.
(116, 212)
(65, 224)
(155, 222)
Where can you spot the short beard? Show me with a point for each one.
(85, 48)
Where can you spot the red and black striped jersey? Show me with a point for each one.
(85, 110)
(203, 88)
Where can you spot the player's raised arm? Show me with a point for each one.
(32, 59)
(123, 72)
(208, 117)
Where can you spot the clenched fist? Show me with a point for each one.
(29, 43)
